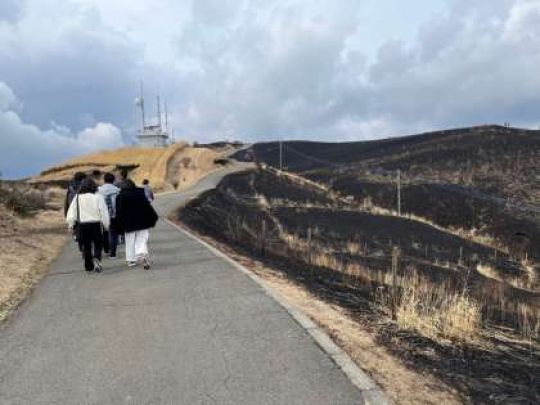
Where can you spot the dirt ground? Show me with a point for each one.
(29, 245)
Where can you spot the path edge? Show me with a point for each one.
(371, 392)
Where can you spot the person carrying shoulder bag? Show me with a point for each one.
(88, 215)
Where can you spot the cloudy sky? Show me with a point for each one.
(259, 70)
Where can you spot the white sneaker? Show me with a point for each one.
(97, 266)
(131, 264)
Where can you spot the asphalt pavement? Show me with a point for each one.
(192, 330)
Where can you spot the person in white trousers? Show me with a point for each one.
(136, 246)
(135, 216)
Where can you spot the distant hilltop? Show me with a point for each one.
(174, 167)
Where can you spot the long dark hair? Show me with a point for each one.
(79, 176)
(88, 186)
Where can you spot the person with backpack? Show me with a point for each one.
(109, 192)
(135, 216)
(88, 214)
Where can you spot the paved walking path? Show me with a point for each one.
(193, 330)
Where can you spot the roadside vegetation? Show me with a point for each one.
(32, 234)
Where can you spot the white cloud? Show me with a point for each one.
(255, 69)
(26, 148)
(465, 68)
(284, 68)
(8, 100)
(68, 66)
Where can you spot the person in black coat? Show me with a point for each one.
(134, 217)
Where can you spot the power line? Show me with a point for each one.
(507, 202)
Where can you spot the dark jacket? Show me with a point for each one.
(133, 211)
(121, 184)
(73, 189)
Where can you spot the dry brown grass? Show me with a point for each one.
(166, 168)
(528, 281)
(439, 314)
(22, 199)
(28, 246)
(187, 165)
(431, 310)
(151, 163)
(444, 312)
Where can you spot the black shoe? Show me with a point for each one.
(97, 266)
(146, 263)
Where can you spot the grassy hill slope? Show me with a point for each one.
(176, 166)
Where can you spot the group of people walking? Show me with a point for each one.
(101, 215)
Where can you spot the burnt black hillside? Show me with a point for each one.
(343, 253)
(464, 149)
(485, 179)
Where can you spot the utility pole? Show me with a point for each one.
(395, 264)
(399, 192)
(281, 155)
(309, 246)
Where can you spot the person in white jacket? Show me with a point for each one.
(88, 211)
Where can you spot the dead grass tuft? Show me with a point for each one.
(438, 314)
(22, 199)
(443, 311)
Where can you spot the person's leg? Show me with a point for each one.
(106, 244)
(86, 243)
(113, 238)
(98, 241)
(81, 247)
(141, 247)
(130, 247)
(141, 243)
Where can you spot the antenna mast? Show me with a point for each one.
(166, 117)
(159, 112)
(141, 103)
